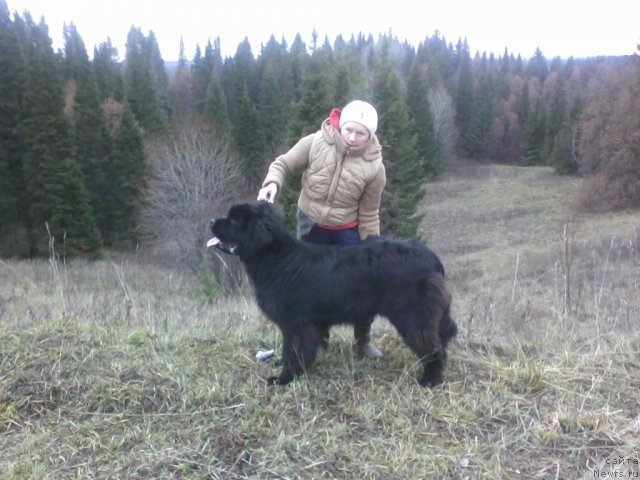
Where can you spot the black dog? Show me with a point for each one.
(305, 289)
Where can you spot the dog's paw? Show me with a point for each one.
(283, 379)
(431, 380)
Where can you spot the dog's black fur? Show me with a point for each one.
(306, 289)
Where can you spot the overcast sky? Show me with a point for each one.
(577, 28)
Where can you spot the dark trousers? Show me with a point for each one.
(347, 236)
(323, 236)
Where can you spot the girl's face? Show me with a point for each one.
(354, 134)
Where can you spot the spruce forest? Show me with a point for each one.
(110, 149)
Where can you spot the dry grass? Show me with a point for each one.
(115, 370)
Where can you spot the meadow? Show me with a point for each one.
(119, 369)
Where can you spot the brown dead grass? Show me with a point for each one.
(114, 369)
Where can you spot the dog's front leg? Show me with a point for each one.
(287, 373)
(299, 350)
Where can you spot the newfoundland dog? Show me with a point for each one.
(306, 289)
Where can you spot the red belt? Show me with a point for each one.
(340, 227)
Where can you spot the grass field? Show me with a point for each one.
(115, 369)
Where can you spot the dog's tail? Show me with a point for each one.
(439, 302)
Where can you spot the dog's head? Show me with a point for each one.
(247, 228)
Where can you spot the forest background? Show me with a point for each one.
(106, 153)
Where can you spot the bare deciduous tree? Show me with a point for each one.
(444, 127)
(194, 177)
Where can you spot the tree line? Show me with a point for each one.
(85, 142)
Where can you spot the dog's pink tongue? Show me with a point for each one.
(213, 242)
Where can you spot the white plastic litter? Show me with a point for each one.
(263, 355)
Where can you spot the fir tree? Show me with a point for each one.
(351, 80)
(315, 100)
(534, 135)
(482, 114)
(272, 109)
(405, 183)
(107, 72)
(419, 110)
(91, 137)
(126, 171)
(556, 100)
(159, 75)
(141, 85)
(523, 107)
(199, 81)
(239, 83)
(562, 158)
(537, 67)
(57, 196)
(249, 141)
(12, 147)
(215, 108)
(180, 101)
(275, 95)
(463, 90)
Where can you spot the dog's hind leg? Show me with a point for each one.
(299, 350)
(447, 328)
(425, 343)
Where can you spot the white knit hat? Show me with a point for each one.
(362, 113)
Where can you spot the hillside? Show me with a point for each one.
(116, 369)
(509, 231)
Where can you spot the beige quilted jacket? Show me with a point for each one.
(338, 186)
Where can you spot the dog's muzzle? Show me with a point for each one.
(229, 248)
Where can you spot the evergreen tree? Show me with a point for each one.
(239, 82)
(420, 112)
(556, 101)
(57, 195)
(273, 107)
(249, 140)
(351, 78)
(405, 183)
(107, 72)
(215, 108)
(463, 91)
(159, 75)
(275, 95)
(199, 81)
(91, 137)
(537, 67)
(562, 157)
(534, 135)
(523, 107)
(299, 60)
(482, 113)
(141, 85)
(180, 101)
(435, 52)
(126, 171)
(12, 147)
(316, 99)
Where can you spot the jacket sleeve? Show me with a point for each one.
(369, 206)
(290, 163)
